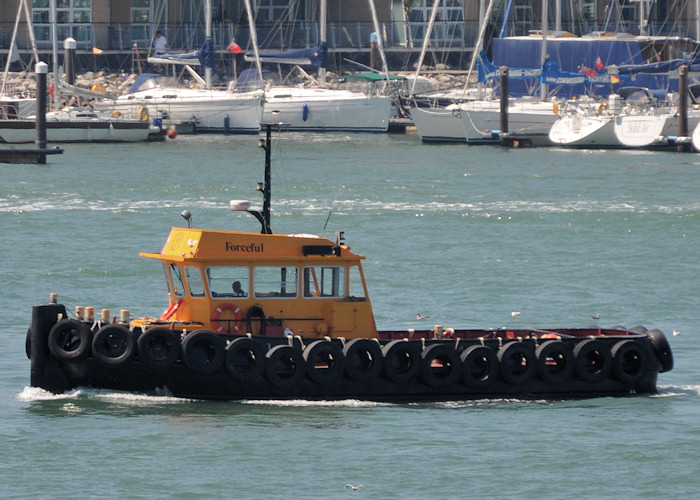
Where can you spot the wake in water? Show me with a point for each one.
(33, 394)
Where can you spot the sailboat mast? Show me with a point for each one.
(543, 48)
(380, 39)
(322, 29)
(207, 36)
(254, 38)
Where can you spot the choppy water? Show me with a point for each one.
(463, 234)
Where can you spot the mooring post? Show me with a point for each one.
(41, 69)
(504, 99)
(683, 105)
(69, 45)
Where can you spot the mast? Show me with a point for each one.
(380, 39)
(207, 36)
(322, 35)
(254, 38)
(543, 48)
(426, 41)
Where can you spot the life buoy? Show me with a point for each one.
(97, 87)
(363, 359)
(113, 345)
(143, 114)
(479, 367)
(116, 114)
(441, 365)
(603, 107)
(662, 349)
(232, 322)
(629, 361)
(172, 308)
(555, 362)
(70, 340)
(245, 359)
(517, 360)
(402, 361)
(255, 313)
(325, 362)
(592, 361)
(51, 90)
(203, 351)
(284, 367)
(159, 347)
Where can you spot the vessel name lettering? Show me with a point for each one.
(252, 248)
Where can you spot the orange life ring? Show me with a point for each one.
(170, 310)
(227, 324)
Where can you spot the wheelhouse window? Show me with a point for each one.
(324, 281)
(357, 290)
(275, 281)
(228, 281)
(178, 286)
(195, 282)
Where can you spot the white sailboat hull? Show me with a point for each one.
(303, 109)
(438, 124)
(482, 119)
(584, 131)
(210, 110)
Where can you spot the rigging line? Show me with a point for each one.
(337, 194)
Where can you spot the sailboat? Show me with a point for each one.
(300, 108)
(211, 110)
(69, 124)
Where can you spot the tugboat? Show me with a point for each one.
(268, 316)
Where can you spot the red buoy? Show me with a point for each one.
(172, 133)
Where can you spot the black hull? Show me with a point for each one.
(190, 373)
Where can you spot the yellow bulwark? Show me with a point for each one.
(236, 282)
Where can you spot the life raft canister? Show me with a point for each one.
(232, 322)
(172, 308)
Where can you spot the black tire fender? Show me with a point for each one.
(441, 365)
(113, 345)
(593, 361)
(662, 349)
(517, 360)
(284, 367)
(363, 359)
(480, 366)
(245, 359)
(325, 362)
(555, 362)
(630, 361)
(402, 361)
(70, 340)
(159, 347)
(203, 351)
(256, 312)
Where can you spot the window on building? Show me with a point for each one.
(146, 17)
(275, 281)
(73, 19)
(272, 10)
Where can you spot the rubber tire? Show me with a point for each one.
(28, 343)
(480, 367)
(292, 359)
(113, 345)
(662, 349)
(255, 311)
(563, 355)
(583, 361)
(630, 361)
(402, 361)
(324, 352)
(363, 359)
(511, 357)
(203, 351)
(446, 354)
(245, 359)
(159, 348)
(63, 337)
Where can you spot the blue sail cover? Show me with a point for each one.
(574, 55)
(206, 54)
(315, 56)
